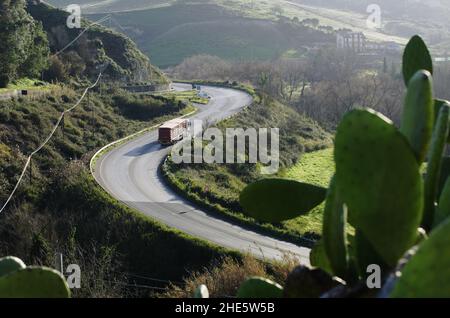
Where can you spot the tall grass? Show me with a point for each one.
(224, 276)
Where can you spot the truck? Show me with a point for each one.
(203, 95)
(172, 131)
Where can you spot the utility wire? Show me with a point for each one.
(82, 32)
(27, 164)
(148, 278)
(118, 24)
(133, 285)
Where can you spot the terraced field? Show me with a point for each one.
(338, 19)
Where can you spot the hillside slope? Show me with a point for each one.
(172, 33)
(95, 48)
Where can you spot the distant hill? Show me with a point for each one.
(405, 18)
(401, 19)
(98, 6)
(435, 9)
(172, 33)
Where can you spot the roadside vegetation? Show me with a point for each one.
(322, 86)
(27, 84)
(189, 95)
(315, 167)
(224, 276)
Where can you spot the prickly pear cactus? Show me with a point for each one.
(276, 200)
(304, 282)
(416, 57)
(418, 114)
(259, 287)
(318, 257)
(365, 254)
(334, 232)
(34, 282)
(435, 159)
(378, 178)
(201, 292)
(427, 273)
(438, 103)
(379, 190)
(10, 264)
(443, 209)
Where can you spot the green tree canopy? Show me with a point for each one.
(23, 43)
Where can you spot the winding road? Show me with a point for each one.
(129, 173)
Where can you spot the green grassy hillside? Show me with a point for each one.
(172, 30)
(316, 167)
(62, 209)
(170, 34)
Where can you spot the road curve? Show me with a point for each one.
(130, 174)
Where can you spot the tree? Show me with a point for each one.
(38, 52)
(293, 74)
(277, 10)
(263, 80)
(385, 66)
(75, 64)
(23, 43)
(57, 70)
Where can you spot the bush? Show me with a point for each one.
(224, 276)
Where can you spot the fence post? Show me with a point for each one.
(59, 263)
(31, 171)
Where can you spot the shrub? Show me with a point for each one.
(224, 276)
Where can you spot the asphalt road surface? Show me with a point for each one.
(130, 174)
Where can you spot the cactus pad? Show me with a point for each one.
(378, 178)
(258, 287)
(10, 264)
(416, 57)
(443, 209)
(428, 272)
(34, 282)
(276, 200)
(418, 114)
(201, 292)
(334, 236)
